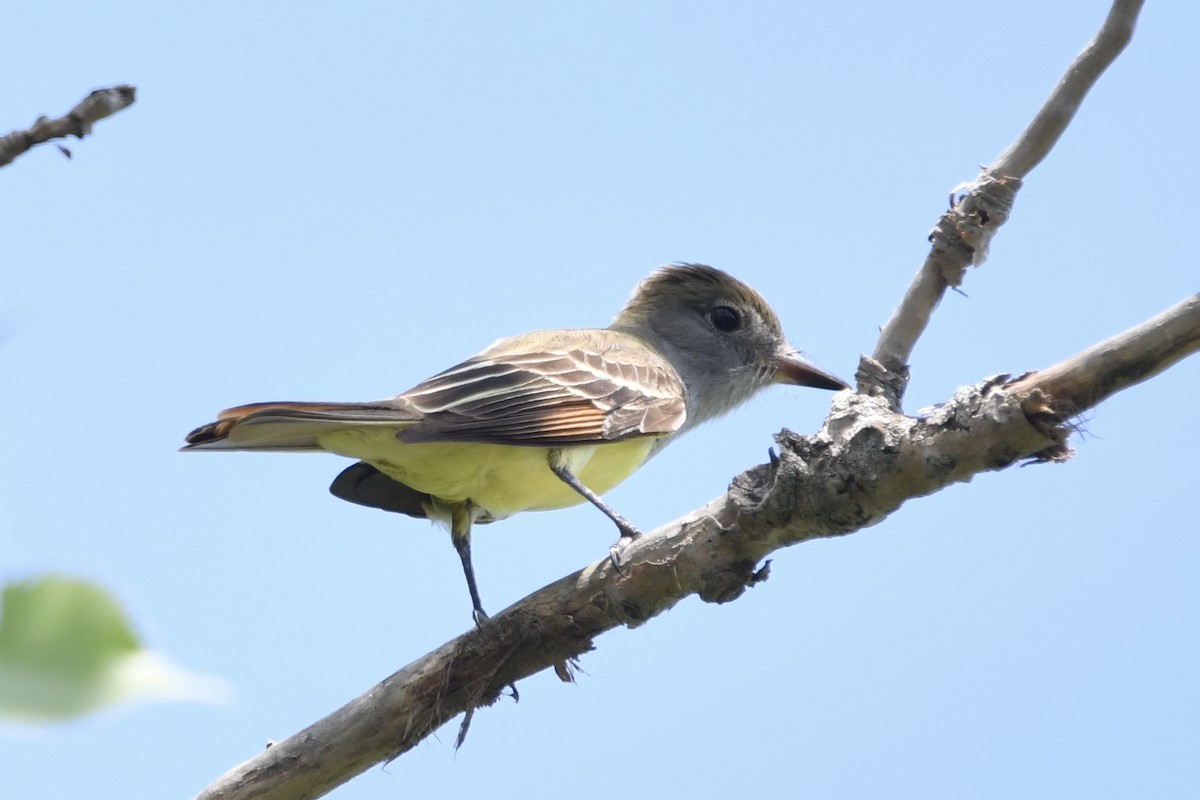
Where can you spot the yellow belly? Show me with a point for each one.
(501, 479)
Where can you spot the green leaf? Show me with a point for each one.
(66, 649)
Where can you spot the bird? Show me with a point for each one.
(544, 420)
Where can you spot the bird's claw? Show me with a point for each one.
(628, 534)
(614, 555)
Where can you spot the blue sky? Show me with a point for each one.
(334, 201)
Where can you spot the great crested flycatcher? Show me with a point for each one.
(544, 420)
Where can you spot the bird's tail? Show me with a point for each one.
(293, 426)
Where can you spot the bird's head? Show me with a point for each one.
(723, 338)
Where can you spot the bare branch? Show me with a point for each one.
(866, 461)
(963, 234)
(77, 122)
(1079, 383)
(1036, 141)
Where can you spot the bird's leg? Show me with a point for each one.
(461, 518)
(460, 535)
(628, 531)
(566, 476)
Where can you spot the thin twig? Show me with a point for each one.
(77, 122)
(963, 235)
(1037, 140)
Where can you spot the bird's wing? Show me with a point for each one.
(576, 387)
(293, 426)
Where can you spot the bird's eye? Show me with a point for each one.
(725, 319)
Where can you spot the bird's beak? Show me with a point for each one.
(791, 368)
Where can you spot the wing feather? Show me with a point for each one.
(577, 387)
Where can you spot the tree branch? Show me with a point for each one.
(1079, 383)
(865, 462)
(77, 122)
(963, 235)
(1035, 143)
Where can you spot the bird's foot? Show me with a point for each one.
(628, 534)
